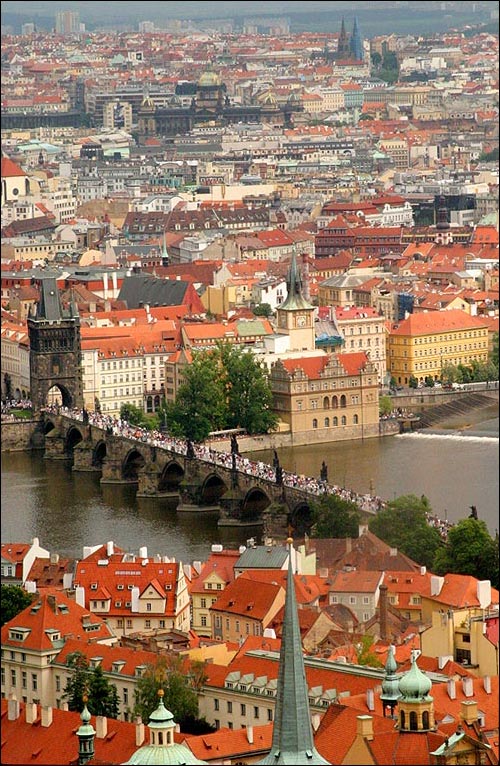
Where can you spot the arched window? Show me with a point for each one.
(413, 721)
(425, 719)
(343, 402)
(160, 738)
(149, 404)
(315, 423)
(327, 422)
(326, 403)
(355, 420)
(344, 420)
(335, 421)
(335, 402)
(402, 718)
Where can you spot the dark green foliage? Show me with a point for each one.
(335, 517)
(134, 415)
(224, 388)
(14, 600)
(91, 683)
(262, 310)
(413, 382)
(494, 353)
(403, 525)
(178, 682)
(385, 405)
(469, 550)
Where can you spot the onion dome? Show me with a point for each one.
(415, 685)
(209, 79)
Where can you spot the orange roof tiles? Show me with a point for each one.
(436, 322)
(241, 597)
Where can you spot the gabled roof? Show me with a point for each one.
(10, 169)
(50, 614)
(241, 597)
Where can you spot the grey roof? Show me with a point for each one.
(292, 731)
(295, 299)
(262, 557)
(346, 280)
(138, 289)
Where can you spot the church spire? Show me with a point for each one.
(292, 733)
(390, 685)
(295, 298)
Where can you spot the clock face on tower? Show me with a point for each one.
(301, 320)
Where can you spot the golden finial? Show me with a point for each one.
(85, 699)
(160, 693)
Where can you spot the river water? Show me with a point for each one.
(455, 466)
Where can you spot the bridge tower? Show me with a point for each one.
(55, 349)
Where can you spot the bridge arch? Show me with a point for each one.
(73, 437)
(171, 477)
(48, 426)
(99, 454)
(301, 519)
(212, 490)
(132, 464)
(255, 503)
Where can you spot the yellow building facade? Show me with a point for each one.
(423, 344)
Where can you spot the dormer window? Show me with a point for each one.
(93, 586)
(19, 634)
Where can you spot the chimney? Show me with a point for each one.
(54, 558)
(423, 570)
(139, 732)
(46, 716)
(51, 601)
(110, 548)
(452, 692)
(383, 612)
(348, 545)
(370, 699)
(31, 712)
(487, 684)
(13, 709)
(468, 710)
(101, 726)
(80, 596)
(364, 727)
(468, 686)
(249, 731)
(65, 706)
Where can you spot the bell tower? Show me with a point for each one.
(55, 349)
(295, 316)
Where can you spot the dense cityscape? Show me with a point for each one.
(238, 243)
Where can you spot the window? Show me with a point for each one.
(243, 709)
(269, 715)
(203, 603)
(352, 599)
(344, 420)
(24, 679)
(149, 607)
(125, 695)
(34, 681)
(256, 712)
(315, 423)
(58, 683)
(204, 620)
(216, 704)
(366, 599)
(13, 678)
(147, 623)
(229, 706)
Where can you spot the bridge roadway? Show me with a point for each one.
(239, 490)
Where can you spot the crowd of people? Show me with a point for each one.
(230, 460)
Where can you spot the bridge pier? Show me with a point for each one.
(190, 499)
(112, 472)
(82, 457)
(231, 507)
(54, 446)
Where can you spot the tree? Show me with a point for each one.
(134, 415)
(385, 405)
(412, 382)
(14, 600)
(450, 374)
(494, 352)
(335, 517)
(249, 397)
(364, 655)
(403, 525)
(469, 550)
(173, 675)
(429, 381)
(262, 310)
(200, 405)
(91, 683)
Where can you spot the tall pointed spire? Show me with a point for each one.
(390, 685)
(295, 298)
(292, 733)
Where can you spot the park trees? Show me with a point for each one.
(334, 517)
(84, 681)
(13, 600)
(403, 525)
(225, 387)
(469, 550)
(180, 682)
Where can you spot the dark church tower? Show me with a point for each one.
(343, 50)
(55, 349)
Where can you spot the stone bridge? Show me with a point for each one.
(201, 484)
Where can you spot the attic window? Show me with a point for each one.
(93, 586)
(19, 634)
(120, 587)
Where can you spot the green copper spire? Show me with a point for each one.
(390, 684)
(293, 742)
(294, 300)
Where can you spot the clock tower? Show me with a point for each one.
(295, 316)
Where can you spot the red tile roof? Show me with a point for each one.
(435, 322)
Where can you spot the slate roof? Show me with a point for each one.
(137, 289)
(262, 557)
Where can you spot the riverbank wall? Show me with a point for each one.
(21, 435)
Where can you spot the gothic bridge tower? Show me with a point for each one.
(55, 350)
